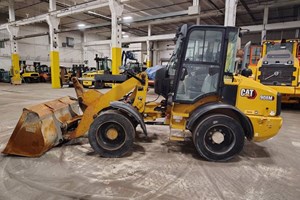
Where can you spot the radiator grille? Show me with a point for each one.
(276, 74)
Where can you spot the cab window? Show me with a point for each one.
(201, 65)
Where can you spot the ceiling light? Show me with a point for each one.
(123, 32)
(127, 18)
(125, 36)
(81, 25)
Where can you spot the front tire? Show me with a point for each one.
(27, 80)
(218, 137)
(111, 134)
(99, 84)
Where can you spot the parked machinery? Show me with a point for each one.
(67, 73)
(29, 73)
(103, 67)
(255, 52)
(130, 62)
(5, 76)
(44, 72)
(65, 76)
(200, 91)
(279, 68)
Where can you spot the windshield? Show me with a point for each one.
(201, 65)
(29, 68)
(271, 46)
(105, 64)
(44, 69)
(231, 52)
(171, 66)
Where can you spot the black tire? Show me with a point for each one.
(218, 137)
(27, 80)
(119, 124)
(99, 84)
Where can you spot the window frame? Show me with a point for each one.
(223, 52)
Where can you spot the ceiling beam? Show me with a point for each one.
(248, 10)
(215, 6)
(134, 39)
(59, 13)
(273, 26)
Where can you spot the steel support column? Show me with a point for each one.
(15, 58)
(84, 49)
(54, 51)
(198, 21)
(265, 22)
(230, 12)
(149, 56)
(298, 18)
(11, 10)
(52, 5)
(116, 33)
(155, 53)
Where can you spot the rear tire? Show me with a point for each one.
(111, 134)
(218, 137)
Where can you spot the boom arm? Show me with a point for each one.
(95, 101)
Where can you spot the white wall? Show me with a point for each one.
(164, 51)
(5, 60)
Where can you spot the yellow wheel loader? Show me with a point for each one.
(103, 67)
(279, 68)
(201, 95)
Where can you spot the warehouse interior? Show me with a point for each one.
(102, 54)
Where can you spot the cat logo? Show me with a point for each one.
(249, 93)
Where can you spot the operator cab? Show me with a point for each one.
(103, 63)
(201, 58)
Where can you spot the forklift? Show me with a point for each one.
(28, 73)
(201, 93)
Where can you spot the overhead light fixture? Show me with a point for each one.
(81, 25)
(125, 36)
(127, 18)
(123, 32)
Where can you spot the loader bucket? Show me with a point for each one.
(41, 127)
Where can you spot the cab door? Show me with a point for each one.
(202, 61)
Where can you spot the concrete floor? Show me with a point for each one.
(157, 169)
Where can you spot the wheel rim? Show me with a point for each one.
(219, 139)
(110, 136)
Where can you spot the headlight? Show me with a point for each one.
(272, 113)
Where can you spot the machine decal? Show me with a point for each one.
(249, 93)
(267, 97)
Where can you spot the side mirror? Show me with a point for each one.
(183, 73)
(246, 72)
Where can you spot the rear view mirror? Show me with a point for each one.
(246, 72)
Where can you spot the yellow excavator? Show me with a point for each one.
(201, 95)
